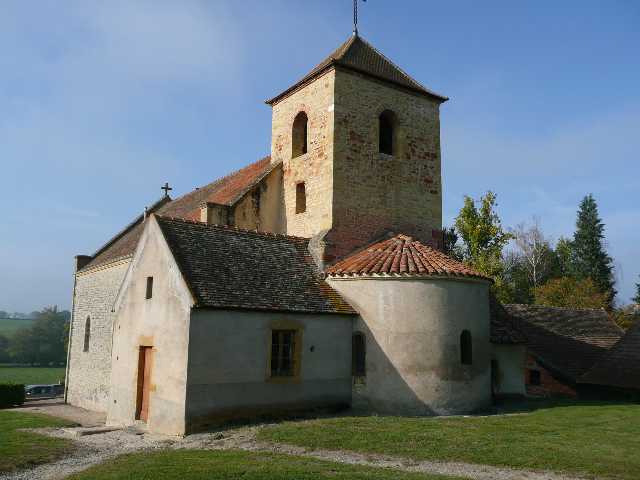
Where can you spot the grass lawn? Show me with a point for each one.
(228, 465)
(584, 438)
(9, 326)
(22, 449)
(31, 375)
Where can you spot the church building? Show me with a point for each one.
(313, 277)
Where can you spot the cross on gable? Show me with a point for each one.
(355, 16)
(166, 189)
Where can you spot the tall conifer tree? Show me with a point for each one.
(590, 257)
(636, 299)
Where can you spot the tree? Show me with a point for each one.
(483, 238)
(636, 299)
(4, 349)
(450, 243)
(540, 261)
(571, 292)
(44, 342)
(590, 259)
(624, 319)
(564, 257)
(517, 285)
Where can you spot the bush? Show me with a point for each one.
(11, 394)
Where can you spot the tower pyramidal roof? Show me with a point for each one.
(358, 55)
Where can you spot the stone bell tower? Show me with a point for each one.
(359, 141)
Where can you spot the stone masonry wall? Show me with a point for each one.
(315, 167)
(262, 208)
(89, 372)
(374, 192)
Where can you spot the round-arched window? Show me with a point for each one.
(466, 348)
(387, 132)
(87, 334)
(299, 135)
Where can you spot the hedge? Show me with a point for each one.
(11, 394)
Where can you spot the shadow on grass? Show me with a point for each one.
(528, 405)
(504, 407)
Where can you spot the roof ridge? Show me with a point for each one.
(155, 205)
(399, 68)
(228, 227)
(397, 77)
(232, 174)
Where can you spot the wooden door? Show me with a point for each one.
(144, 383)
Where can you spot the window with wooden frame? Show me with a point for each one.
(283, 353)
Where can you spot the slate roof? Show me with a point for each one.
(226, 267)
(504, 328)
(620, 366)
(359, 55)
(401, 255)
(225, 191)
(567, 341)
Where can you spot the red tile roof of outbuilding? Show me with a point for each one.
(401, 255)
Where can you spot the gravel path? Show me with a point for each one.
(95, 449)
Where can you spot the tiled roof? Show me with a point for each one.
(226, 267)
(401, 255)
(224, 191)
(504, 328)
(124, 242)
(359, 55)
(567, 341)
(620, 366)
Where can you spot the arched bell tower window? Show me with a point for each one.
(299, 135)
(358, 355)
(387, 132)
(87, 334)
(466, 349)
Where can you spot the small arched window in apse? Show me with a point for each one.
(466, 348)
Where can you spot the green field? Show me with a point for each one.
(9, 326)
(19, 449)
(223, 465)
(31, 375)
(593, 439)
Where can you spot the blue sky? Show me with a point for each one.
(102, 102)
